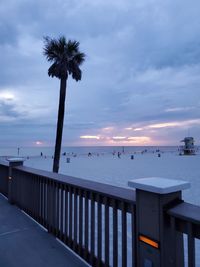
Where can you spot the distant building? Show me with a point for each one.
(188, 148)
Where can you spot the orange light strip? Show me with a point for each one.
(148, 241)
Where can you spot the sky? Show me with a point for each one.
(140, 80)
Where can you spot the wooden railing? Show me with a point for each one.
(185, 218)
(4, 178)
(95, 220)
(98, 221)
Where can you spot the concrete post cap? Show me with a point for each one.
(15, 159)
(159, 185)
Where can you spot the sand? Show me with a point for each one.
(118, 171)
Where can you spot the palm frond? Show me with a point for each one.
(72, 47)
(58, 71)
(53, 71)
(79, 58)
(65, 56)
(75, 71)
(51, 49)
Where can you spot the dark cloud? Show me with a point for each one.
(143, 58)
(8, 109)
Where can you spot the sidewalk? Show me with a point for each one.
(24, 243)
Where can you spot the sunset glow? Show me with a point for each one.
(90, 137)
(107, 129)
(119, 137)
(147, 134)
(39, 143)
(138, 129)
(164, 125)
(133, 140)
(139, 139)
(185, 123)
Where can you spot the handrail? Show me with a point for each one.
(185, 218)
(184, 214)
(120, 193)
(4, 163)
(96, 220)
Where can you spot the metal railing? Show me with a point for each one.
(89, 217)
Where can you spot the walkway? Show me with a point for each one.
(24, 243)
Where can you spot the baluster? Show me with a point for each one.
(99, 252)
(80, 222)
(42, 201)
(66, 215)
(133, 236)
(191, 246)
(75, 220)
(86, 226)
(124, 236)
(92, 225)
(50, 207)
(70, 216)
(107, 233)
(115, 235)
(45, 203)
(61, 214)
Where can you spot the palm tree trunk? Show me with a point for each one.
(61, 113)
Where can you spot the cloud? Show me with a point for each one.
(174, 124)
(142, 65)
(90, 137)
(179, 109)
(119, 137)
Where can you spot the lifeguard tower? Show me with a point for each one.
(188, 148)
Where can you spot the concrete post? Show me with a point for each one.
(158, 244)
(13, 162)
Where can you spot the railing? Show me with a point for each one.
(4, 179)
(95, 220)
(104, 224)
(185, 218)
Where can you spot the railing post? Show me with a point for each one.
(13, 162)
(158, 244)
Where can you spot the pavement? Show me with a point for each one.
(23, 243)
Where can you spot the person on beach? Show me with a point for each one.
(119, 155)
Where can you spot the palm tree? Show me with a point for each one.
(66, 60)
